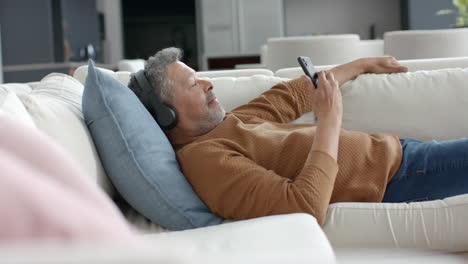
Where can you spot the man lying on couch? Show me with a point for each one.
(252, 162)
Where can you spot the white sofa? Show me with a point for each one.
(322, 49)
(276, 239)
(133, 65)
(423, 44)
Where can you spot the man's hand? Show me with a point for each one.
(328, 107)
(386, 64)
(326, 99)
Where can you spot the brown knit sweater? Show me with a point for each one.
(254, 163)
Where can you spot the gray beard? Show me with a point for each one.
(213, 120)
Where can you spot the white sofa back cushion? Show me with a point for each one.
(232, 92)
(11, 105)
(53, 105)
(234, 73)
(131, 65)
(423, 105)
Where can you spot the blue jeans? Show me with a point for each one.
(430, 170)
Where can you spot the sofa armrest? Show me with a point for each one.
(435, 64)
(293, 238)
(295, 72)
(413, 65)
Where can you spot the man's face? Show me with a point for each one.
(197, 108)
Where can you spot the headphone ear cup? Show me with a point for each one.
(166, 116)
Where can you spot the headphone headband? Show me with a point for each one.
(163, 114)
(144, 84)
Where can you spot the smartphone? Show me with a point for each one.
(308, 68)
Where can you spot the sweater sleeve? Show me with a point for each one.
(235, 187)
(283, 103)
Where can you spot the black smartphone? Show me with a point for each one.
(308, 68)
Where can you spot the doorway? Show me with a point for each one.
(150, 26)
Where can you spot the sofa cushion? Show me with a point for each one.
(234, 91)
(53, 105)
(438, 225)
(138, 156)
(288, 238)
(12, 106)
(423, 105)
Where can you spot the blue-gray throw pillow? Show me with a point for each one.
(138, 157)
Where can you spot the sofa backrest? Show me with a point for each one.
(131, 65)
(407, 104)
(423, 105)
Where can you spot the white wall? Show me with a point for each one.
(306, 17)
(113, 44)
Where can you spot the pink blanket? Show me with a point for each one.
(45, 196)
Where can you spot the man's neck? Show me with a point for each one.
(179, 137)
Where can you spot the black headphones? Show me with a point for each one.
(164, 114)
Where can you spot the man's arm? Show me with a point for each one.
(350, 70)
(283, 103)
(328, 107)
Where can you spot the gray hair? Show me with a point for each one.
(155, 71)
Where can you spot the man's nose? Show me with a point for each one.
(207, 85)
